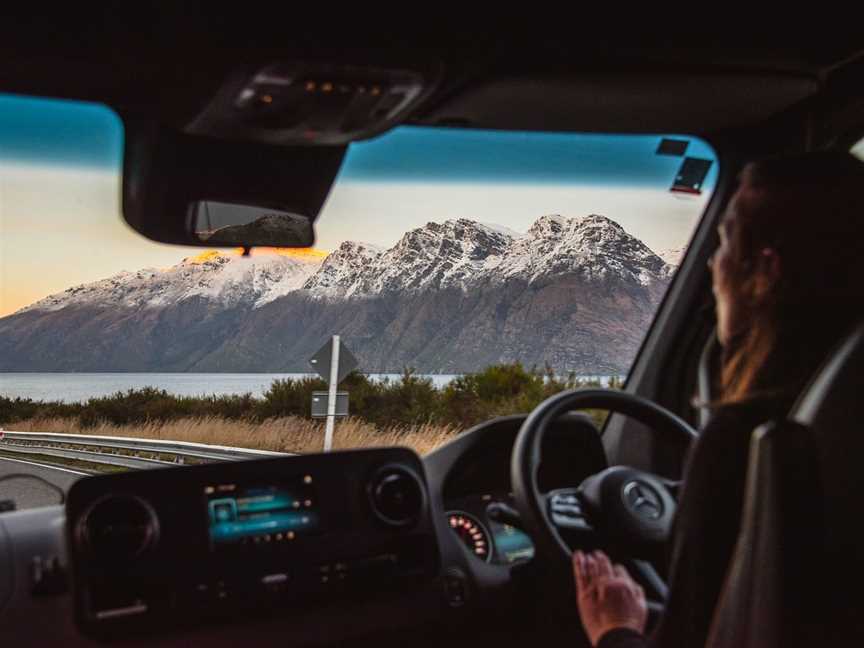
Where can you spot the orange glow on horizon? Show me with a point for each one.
(297, 253)
(204, 257)
(310, 254)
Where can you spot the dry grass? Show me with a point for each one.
(289, 434)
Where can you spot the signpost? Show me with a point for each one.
(333, 362)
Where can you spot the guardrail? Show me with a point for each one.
(124, 451)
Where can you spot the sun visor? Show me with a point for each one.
(624, 102)
(168, 175)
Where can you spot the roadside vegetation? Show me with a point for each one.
(408, 411)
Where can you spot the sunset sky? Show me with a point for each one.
(60, 222)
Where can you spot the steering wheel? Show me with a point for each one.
(622, 509)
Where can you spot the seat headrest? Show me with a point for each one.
(834, 396)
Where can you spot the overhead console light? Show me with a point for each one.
(299, 103)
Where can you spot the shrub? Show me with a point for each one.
(17, 409)
(495, 391)
(288, 397)
(410, 400)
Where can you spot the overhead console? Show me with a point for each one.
(303, 103)
(154, 550)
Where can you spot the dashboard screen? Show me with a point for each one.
(511, 544)
(268, 514)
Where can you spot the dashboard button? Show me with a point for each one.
(274, 579)
(455, 587)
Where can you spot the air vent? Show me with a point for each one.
(397, 496)
(118, 528)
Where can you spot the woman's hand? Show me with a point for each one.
(608, 598)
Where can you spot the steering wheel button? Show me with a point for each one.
(569, 511)
(570, 522)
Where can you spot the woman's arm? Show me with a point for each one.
(704, 535)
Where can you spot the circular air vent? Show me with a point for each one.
(118, 528)
(397, 495)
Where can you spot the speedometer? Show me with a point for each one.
(472, 534)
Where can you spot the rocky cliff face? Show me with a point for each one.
(574, 293)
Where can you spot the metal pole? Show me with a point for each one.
(331, 395)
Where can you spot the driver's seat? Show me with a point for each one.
(797, 575)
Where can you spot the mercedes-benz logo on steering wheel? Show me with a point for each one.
(643, 500)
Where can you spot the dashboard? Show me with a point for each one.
(214, 552)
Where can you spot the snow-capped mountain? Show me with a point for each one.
(593, 247)
(343, 270)
(576, 293)
(228, 279)
(454, 254)
(462, 253)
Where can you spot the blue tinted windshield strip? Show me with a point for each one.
(59, 133)
(422, 154)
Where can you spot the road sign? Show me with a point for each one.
(319, 404)
(322, 359)
(333, 362)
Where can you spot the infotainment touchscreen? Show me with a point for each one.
(256, 514)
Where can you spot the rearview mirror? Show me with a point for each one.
(208, 192)
(223, 224)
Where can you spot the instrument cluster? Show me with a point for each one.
(477, 522)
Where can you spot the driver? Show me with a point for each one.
(787, 279)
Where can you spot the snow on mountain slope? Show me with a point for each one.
(222, 277)
(592, 246)
(460, 253)
(256, 279)
(438, 255)
(340, 274)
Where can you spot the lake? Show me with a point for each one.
(73, 387)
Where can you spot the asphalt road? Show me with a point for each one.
(30, 493)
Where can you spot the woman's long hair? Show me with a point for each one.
(807, 209)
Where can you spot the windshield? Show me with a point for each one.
(467, 274)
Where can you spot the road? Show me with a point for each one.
(30, 493)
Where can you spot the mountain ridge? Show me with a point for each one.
(456, 253)
(576, 293)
